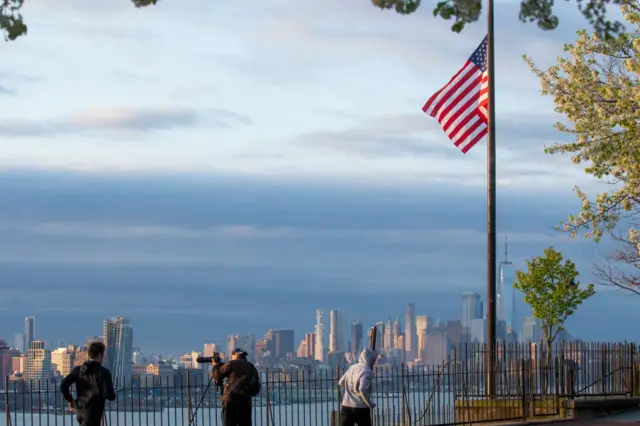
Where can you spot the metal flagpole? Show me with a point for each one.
(491, 208)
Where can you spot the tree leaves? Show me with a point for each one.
(595, 87)
(538, 11)
(403, 7)
(462, 12)
(12, 24)
(550, 288)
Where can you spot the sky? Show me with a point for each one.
(207, 168)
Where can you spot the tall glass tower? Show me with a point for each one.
(471, 309)
(411, 333)
(29, 332)
(117, 335)
(335, 331)
(356, 338)
(320, 346)
(507, 294)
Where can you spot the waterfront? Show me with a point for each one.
(417, 395)
(387, 412)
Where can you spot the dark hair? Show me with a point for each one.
(96, 349)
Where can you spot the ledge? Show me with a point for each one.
(599, 402)
(593, 407)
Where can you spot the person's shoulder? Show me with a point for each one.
(104, 370)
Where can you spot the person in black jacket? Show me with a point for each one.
(93, 386)
(243, 383)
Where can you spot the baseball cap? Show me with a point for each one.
(239, 351)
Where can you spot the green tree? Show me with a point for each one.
(461, 12)
(550, 288)
(595, 87)
(12, 24)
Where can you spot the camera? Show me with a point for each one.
(209, 359)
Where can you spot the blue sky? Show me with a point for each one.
(204, 148)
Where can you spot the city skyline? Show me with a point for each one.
(410, 336)
(385, 247)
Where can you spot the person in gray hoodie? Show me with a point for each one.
(357, 381)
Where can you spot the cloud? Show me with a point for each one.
(220, 222)
(127, 231)
(165, 249)
(366, 143)
(140, 232)
(300, 61)
(123, 119)
(5, 91)
(316, 31)
(398, 135)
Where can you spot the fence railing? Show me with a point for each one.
(529, 382)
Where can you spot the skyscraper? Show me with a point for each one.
(531, 331)
(437, 349)
(320, 346)
(29, 332)
(423, 323)
(411, 333)
(471, 309)
(5, 362)
(62, 361)
(398, 336)
(302, 349)
(507, 294)
(478, 330)
(389, 337)
(310, 338)
(355, 339)
(380, 333)
(243, 341)
(210, 348)
(232, 343)
(283, 343)
(18, 343)
(335, 331)
(38, 364)
(117, 335)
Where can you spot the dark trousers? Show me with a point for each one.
(355, 416)
(236, 413)
(89, 417)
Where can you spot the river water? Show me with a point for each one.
(388, 412)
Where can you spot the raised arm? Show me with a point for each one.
(342, 379)
(219, 372)
(65, 384)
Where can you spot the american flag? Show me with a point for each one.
(461, 105)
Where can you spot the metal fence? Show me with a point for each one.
(529, 382)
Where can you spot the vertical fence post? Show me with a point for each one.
(523, 388)
(632, 360)
(338, 411)
(6, 400)
(188, 398)
(266, 375)
(402, 398)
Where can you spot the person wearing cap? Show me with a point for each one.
(242, 384)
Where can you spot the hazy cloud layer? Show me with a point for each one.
(420, 135)
(216, 239)
(132, 120)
